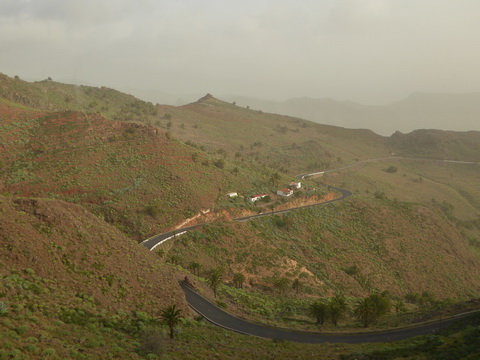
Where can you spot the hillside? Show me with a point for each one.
(294, 145)
(291, 145)
(50, 95)
(135, 176)
(436, 144)
(358, 247)
(80, 188)
(62, 266)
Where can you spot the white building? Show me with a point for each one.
(257, 197)
(285, 192)
(295, 185)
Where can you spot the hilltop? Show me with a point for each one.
(436, 144)
(282, 142)
(50, 95)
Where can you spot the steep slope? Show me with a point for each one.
(50, 95)
(73, 286)
(357, 247)
(135, 176)
(66, 244)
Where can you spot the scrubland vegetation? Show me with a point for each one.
(86, 173)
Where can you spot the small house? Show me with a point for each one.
(295, 185)
(257, 197)
(285, 192)
(232, 195)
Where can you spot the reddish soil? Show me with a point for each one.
(66, 244)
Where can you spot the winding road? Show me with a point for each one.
(223, 319)
(154, 241)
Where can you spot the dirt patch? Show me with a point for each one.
(229, 215)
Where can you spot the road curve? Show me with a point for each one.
(156, 240)
(223, 319)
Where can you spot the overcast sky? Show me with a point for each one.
(371, 51)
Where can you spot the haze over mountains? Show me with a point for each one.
(458, 112)
(442, 111)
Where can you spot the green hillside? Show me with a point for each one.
(86, 173)
(50, 95)
(289, 144)
(133, 175)
(436, 144)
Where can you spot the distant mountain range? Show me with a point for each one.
(458, 112)
(443, 111)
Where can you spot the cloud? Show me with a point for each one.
(359, 15)
(357, 49)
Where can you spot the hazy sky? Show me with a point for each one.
(370, 51)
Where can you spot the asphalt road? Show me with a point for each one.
(156, 240)
(221, 318)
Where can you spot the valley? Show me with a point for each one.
(86, 174)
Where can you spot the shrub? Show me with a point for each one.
(3, 308)
(221, 304)
(31, 348)
(380, 195)
(352, 270)
(49, 353)
(220, 163)
(22, 329)
(391, 169)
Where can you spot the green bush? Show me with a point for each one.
(3, 308)
(22, 329)
(49, 353)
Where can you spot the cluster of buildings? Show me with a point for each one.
(285, 192)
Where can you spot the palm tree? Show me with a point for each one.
(214, 279)
(172, 317)
(365, 311)
(371, 308)
(319, 310)
(271, 207)
(399, 306)
(175, 259)
(381, 304)
(195, 267)
(238, 280)
(337, 307)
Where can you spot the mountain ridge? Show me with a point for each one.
(436, 111)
